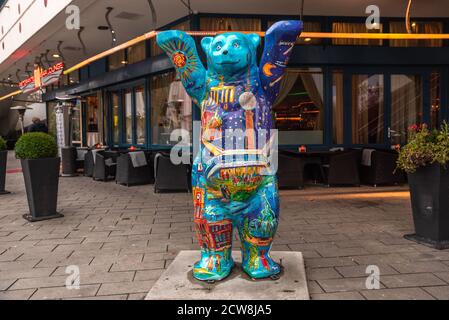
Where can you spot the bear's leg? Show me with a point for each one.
(214, 233)
(257, 226)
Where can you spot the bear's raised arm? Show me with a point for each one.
(181, 49)
(279, 43)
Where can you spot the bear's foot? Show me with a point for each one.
(261, 267)
(212, 268)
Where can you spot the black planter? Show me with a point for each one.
(3, 160)
(429, 191)
(41, 182)
(68, 158)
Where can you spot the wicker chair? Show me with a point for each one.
(89, 164)
(343, 168)
(382, 170)
(105, 165)
(170, 177)
(128, 175)
(290, 172)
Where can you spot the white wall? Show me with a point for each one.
(32, 17)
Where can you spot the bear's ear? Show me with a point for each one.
(205, 43)
(254, 39)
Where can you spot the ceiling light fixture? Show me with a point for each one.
(108, 12)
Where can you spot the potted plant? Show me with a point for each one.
(425, 159)
(3, 161)
(40, 165)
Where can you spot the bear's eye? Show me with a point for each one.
(236, 45)
(218, 47)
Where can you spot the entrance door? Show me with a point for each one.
(415, 98)
(406, 107)
(128, 116)
(367, 109)
(92, 119)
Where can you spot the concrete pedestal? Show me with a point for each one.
(178, 283)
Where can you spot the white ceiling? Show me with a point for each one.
(93, 11)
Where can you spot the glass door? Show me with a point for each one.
(114, 98)
(367, 109)
(128, 116)
(406, 105)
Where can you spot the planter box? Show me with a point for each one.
(41, 183)
(3, 160)
(429, 190)
(68, 157)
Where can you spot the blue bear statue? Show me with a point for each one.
(233, 182)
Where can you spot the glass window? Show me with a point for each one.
(136, 53)
(417, 27)
(299, 109)
(140, 114)
(115, 100)
(406, 105)
(368, 109)
(117, 60)
(155, 50)
(165, 117)
(94, 119)
(435, 99)
(230, 24)
(337, 108)
(128, 116)
(74, 77)
(345, 27)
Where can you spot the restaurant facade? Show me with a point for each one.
(336, 93)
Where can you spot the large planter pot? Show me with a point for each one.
(68, 157)
(41, 183)
(3, 161)
(429, 191)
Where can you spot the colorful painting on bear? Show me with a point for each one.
(232, 188)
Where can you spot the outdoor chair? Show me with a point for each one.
(379, 168)
(170, 177)
(131, 173)
(81, 157)
(89, 164)
(343, 168)
(290, 172)
(105, 165)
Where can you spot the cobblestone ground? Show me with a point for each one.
(122, 239)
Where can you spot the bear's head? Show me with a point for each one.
(231, 54)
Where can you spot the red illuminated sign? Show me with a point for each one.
(42, 78)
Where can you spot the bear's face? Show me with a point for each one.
(230, 54)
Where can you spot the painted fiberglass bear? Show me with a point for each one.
(233, 185)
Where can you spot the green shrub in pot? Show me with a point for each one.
(425, 159)
(36, 145)
(40, 166)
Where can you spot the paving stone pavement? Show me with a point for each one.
(122, 239)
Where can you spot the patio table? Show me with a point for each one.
(318, 158)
